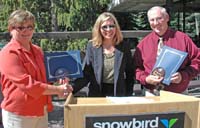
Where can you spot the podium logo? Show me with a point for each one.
(169, 123)
(158, 120)
(154, 123)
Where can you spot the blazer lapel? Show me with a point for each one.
(98, 64)
(117, 64)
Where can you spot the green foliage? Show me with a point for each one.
(77, 45)
(80, 15)
(62, 45)
(83, 14)
(132, 21)
(39, 8)
(177, 22)
(57, 15)
(140, 21)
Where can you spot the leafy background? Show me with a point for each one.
(80, 15)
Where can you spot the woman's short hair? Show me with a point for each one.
(97, 37)
(19, 17)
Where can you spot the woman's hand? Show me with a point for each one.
(64, 87)
(64, 90)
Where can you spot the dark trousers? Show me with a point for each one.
(107, 89)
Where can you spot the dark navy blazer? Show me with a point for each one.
(93, 69)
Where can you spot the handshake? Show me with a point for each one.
(61, 88)
(64, 87)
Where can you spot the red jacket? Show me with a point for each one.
(23, 79)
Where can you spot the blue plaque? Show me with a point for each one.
(60, 64)
(169, 60)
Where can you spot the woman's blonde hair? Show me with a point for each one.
(19, 17)
(97, 38)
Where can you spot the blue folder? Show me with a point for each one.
(60, 64)
(170, 59)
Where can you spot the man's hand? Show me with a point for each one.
(154, 80)
(176, 78)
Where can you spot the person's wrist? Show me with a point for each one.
(57, 90)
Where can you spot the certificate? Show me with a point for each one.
(60, 64)
(170, 60)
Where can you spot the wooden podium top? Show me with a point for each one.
(164, 97)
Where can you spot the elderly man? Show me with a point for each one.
(147, 52)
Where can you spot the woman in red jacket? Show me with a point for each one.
(23, 77)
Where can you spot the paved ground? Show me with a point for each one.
(56, 118)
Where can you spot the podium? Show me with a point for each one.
(140, 112)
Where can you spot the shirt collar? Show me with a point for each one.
(18, 46)
(165, 36)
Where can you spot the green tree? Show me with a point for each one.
(56, 15)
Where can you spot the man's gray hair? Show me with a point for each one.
(162, 9)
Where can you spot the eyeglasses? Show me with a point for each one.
(158, 19)
(22, 28)
(108, 27)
